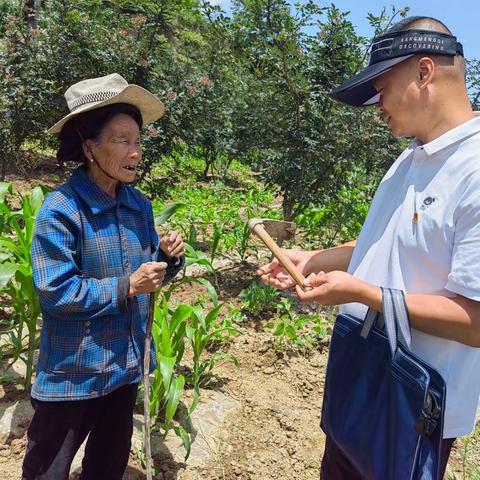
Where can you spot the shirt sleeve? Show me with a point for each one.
(464, 276)
(58, 279)
(175, 264)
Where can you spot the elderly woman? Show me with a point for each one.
(96, 257)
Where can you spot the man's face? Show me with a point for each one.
(399, 99)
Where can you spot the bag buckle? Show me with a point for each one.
(428, 420)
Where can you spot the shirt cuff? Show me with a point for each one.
(122, 293)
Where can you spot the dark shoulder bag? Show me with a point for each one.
(383, 406)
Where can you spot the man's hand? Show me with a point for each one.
(333, 288)
(276, 276)
(147, 278)
(172, 245)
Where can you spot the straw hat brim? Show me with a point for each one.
(149, 105)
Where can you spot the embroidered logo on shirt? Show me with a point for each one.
(427, 202)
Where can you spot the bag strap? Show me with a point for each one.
(372, 318)
(403, 320)
(389, 318)
(393, 320)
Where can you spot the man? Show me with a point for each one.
(422, 233)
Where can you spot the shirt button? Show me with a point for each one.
(126, 263)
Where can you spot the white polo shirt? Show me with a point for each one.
(438, 255)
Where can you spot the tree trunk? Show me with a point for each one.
(288, 204)
(30, 9)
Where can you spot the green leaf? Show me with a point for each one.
(166, 366)
(200, 316)
(197, 257)
(5, 188)
(190, 331)
(290, 332)
(4, 256)
(174, 395)
(36, 200)
(212, 315)
(279, 330)
(7, 245)
(183, 434)
(196, 398)
(167, 212)
(7, 271)
(212, 292)
(181, 314)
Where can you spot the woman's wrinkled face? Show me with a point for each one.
(118, 149)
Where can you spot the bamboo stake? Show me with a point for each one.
(146, 387)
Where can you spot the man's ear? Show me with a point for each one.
(426, 70)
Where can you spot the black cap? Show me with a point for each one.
(388, 50)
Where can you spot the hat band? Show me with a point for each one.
(412, 42)
(92, 98)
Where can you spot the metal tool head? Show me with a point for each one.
(275, 228)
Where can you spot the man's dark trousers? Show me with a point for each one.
(335, 466)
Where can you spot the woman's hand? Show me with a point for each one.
(276, 276)
(172, 245)
(147, 278)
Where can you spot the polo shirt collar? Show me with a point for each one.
(455, 135)
(98, 200)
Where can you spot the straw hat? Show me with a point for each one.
(99, 92)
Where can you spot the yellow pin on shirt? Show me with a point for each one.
(415, 212)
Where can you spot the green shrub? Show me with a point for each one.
(339, 220)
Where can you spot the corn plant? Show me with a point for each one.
(243, 235)
(218, 230)
(16, 277)
(167, 387)
(202, 329)
(173, 331)
(191, 235)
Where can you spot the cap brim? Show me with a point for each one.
(149, 105)
(359, 91)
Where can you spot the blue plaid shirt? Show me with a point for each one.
(86, 245)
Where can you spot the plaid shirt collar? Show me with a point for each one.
(97, 200)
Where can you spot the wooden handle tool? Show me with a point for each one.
(256, 225)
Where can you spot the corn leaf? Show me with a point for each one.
(5, 188)
(167, 212)
(166, 365)
(212, 293)
(7, 271)
(174, 395)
